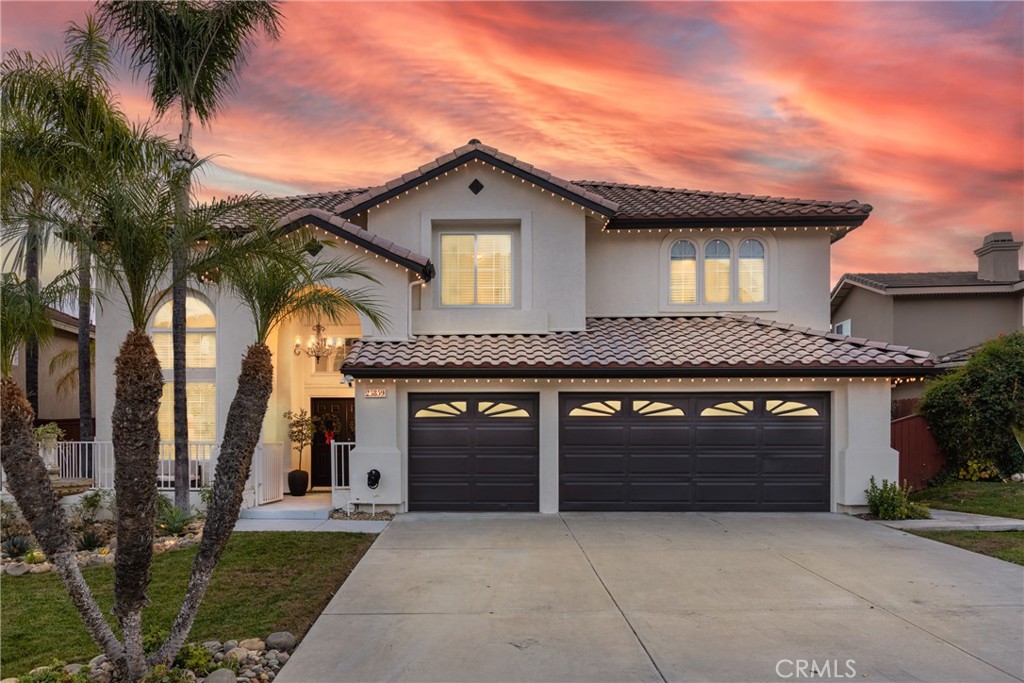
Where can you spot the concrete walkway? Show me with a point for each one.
(664, 597)
(353, 526)
(947, 520)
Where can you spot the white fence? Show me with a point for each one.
(268, 463)
(340, 451)
(95, 460)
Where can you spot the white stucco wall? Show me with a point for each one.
(627, 274)
(859, 429)
(548, 261)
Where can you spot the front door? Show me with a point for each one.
(338, 416)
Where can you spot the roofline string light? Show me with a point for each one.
(654, 380)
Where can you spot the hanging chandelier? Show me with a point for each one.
(317, 347)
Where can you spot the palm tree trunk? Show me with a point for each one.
(31, 343)
(84, 355)
(185, 157)
(136, 437)
(27, 480)
(241, 434)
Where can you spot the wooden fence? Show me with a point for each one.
(920, 457)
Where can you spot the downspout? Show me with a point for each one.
(418, 282)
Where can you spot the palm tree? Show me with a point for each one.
(190, 51)
(23, 315)
(273, 287)
(65, 368)
(54, 108)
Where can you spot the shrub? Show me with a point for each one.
(35, 557)
(11, 522)
(890, 501)
(89, 506)
(56, 674)
(172, 521)
(978, 470)
(206, 497)
(974, 411)
(17, 546)
(196, 658)
(89, 541)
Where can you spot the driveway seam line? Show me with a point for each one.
(898, 616)
(639, 640)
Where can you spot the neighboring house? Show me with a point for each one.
(559, 345)
(948, 313)
(58, 402)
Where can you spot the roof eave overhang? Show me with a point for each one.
(619, 372)
(840, 224)
(474, 155)
(424, 270)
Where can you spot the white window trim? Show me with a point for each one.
(843, 327)
(513, 265)
(700, 241)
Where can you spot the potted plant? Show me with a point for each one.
(48, 435)
(300, 431)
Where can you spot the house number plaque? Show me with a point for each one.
(375, 393)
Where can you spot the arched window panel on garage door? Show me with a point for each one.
(501, 409)
(442, 409)
(736, 408)
(657, 409)
(790, 409)
(597, 409)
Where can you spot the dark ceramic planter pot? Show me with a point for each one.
(298, 482)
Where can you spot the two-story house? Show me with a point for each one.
(948, 313)
(559, 345)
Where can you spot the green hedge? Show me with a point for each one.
(973, 410)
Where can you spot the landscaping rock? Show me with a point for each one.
(254, 644)
(95, 662)
(9, 680)
(218, 656)
(17, 569)
(40, 568)
(230, 645)
(73, 668)
(281, 640)
(283, 657)
(212, 645)
(236, 654)
(221, 676)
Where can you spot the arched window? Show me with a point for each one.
(717, 264)
(683, 273)
(201, 360)
(751, 272)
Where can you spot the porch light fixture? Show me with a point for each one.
(317, 347)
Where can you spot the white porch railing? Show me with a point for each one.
(268, 464)
(340, 450)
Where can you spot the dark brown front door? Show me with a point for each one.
(338, 415)
(473, 452)
(764, 452)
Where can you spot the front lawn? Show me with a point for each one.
(980, 497)
(265, 582)
(1006, 545)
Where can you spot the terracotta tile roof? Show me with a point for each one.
(955, 359)
(474, 149)
(647, 202)
(61, 318)
(274, 208)
(720, 345)
(967, 278)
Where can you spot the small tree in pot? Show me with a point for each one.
(300, 432)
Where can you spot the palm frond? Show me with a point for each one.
(23, 312)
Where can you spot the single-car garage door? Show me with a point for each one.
(473, 452)
(766, 452)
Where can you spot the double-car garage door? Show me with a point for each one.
(622, 451)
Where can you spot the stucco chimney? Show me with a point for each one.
(999, 258)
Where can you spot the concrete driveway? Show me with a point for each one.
(665, 597)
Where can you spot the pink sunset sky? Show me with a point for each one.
(915, 108)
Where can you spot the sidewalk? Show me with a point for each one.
(351, 526)
(947, 520)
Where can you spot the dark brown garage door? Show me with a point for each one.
(766, 452)
(473, 452)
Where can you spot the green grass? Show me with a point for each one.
(1005, 545)
(980, 497)
(265, 582)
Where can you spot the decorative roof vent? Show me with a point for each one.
(999, 258)
(474, 141)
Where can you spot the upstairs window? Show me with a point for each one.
(476, 269)
(717, 264)
(717, 271)
(683, 273)
(201, 360)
